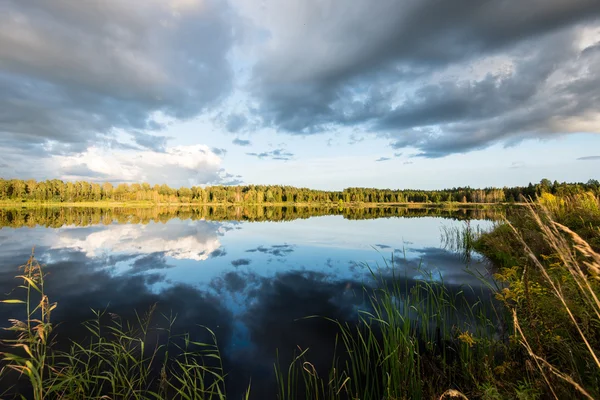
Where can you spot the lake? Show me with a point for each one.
(250, 275)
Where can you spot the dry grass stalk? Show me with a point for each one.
(569, 249)
(453, 393)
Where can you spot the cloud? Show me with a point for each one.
(589, 158)
(219, 151)
(226, 178)
(437, 77)
(383, 159)
(429, 76)
(218, 253)
(241, 261)
(241, 142)
(72, 72)
(151, 142)
(83, 171)
(177, 166)
(277, 154)
(354, 139)
(235, 122)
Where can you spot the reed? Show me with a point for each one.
(121, 360)
(461, 239)
(414, 342)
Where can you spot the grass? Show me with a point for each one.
(550, 265)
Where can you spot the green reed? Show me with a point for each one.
(121, 360)
(412, 342)
(461, 239)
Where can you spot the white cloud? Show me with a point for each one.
(177, 166)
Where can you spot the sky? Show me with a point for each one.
(324, 94)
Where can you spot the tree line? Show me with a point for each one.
(57, 191)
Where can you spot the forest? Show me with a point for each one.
(57, 191)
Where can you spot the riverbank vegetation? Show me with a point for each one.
(56, 191)
(548, 258)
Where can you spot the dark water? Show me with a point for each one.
(251, 282)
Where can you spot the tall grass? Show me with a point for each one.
(576, 289)
(414, 342)
(551, 267)
(120, 360)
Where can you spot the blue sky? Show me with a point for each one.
(324, 94)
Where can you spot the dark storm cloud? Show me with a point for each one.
(277, 154)
(70, 71)
(241, 142)
(588, 158)
(393, 77)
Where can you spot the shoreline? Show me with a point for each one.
(146, 204)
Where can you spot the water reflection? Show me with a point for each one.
(56, 217)
(252, 283)
(183, 241)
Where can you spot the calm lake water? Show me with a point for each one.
(251, 282)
